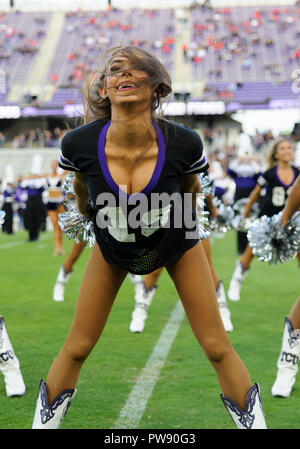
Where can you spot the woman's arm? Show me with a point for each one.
(293, 202)
(190, 184)
(210, 205)
(82, 196)
(254, 195)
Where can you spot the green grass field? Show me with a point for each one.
(186, 395)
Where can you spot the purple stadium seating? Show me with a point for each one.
(20, 37)
(243, 54)
(86, 36)
(255, 47)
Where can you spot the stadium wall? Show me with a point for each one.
(21, 161)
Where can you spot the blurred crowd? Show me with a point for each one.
(229, 37)
(17, 39)
(33, 138)
(215, 140)
(98, 31)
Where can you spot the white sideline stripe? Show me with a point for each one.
(135, 405)
(19, 243)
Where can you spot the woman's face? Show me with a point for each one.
(285, 151)
(125, 84)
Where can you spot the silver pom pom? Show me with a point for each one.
(2, 217)
(271, 242)
(68, 184)
(239, 222)
(207, 186)
(202, 217)
(76, 226)
(222, 223)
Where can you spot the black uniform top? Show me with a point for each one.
(276, 191)
(159, 239)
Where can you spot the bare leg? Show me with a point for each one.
(294, 314)
(57, 232)
(99, 288)
(247, 257)
(151, 279)
(73, 256)
(207, 249)
(198, 297)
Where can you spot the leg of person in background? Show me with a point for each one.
(43, 218)
(221, 296)
(242, 242)
(65, 271)
(287, 363)
(145, 290)
(9, 365)
(33, 219)
(57, 232)
(21, 218)
(241, 268)
(8, 221)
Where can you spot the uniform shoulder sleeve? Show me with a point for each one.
(196, 161)
(68, 148)
(265, 178)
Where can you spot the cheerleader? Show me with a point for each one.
(244, 171)
(54, 205)
(287, 363)
(126, 151)
(34, 185)
(8, 196)
(278, 181)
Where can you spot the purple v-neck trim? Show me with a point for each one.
(281, 182)
(155, 175)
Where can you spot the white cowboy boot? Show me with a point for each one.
(236, 282)
(135, 278)
(59, 287)
(287, 362)
(143, 299)
(50, 416)
(253, 416)
(9, 365)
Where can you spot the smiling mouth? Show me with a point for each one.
(126, 87)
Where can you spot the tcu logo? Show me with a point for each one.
(289, 358)
(5, 356)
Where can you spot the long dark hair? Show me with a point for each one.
(271, 158)
(95, 107)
